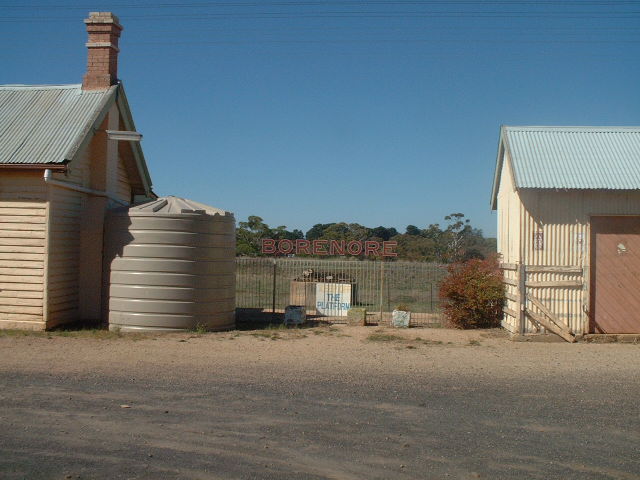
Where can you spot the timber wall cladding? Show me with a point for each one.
(615, 274)
(123, 185)
(64, 263)
(23, 224)
(65, 213)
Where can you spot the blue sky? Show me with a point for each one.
(375, 112)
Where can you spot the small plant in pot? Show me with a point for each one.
(401, 316)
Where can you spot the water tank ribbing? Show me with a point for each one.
(171, 266)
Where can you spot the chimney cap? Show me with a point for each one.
(103, 17)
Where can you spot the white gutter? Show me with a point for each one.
(48, 178)
(124, 135)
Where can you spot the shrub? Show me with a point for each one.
(473, 294)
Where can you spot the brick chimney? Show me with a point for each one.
(102, 66)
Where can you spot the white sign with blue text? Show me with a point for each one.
(333, 299)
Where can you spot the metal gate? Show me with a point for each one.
(328, 288)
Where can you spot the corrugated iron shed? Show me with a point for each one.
(570, 158)
(47, 123)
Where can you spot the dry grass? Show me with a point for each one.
(393, 337)
(94, 333)
(385, 337)
(430, 342)
(279, 332)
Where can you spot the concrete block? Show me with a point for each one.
(357, 317)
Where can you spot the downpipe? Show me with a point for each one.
(48, 178)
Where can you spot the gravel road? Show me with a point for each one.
(325, 403)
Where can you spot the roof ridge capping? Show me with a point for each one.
(18, 86)
(572, 128)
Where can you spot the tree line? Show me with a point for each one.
(456, 240)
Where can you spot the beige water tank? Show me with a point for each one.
(171, 266)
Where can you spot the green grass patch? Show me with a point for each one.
(200, 329)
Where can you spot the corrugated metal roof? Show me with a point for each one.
(46, 123)
(574, 157)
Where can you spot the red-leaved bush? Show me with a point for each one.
(473, 294)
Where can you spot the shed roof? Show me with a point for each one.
(45, 124)
(570, 158)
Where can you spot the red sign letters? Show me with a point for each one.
(285, 246)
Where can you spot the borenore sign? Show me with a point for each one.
(285, 246)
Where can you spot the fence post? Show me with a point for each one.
(273, 291)
(381, 287)
(431, 288)
(586, 299)
(522, 296)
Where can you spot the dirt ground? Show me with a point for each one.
(327, 402)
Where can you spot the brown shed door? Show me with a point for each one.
(615, 274)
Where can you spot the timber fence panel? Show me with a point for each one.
(559, 292)
(510, 274)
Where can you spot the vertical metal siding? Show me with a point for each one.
(562, 217)
(508, 232)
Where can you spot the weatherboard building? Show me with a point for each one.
(67, 153)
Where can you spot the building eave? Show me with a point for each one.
(497, 174)
(141, 164)
(58, 167)
(92, 126)
(504, 151)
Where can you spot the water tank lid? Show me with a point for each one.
(176, 205)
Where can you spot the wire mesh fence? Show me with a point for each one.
(329, 288)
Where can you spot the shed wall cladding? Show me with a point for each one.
(23, 233)
(508, 217)
(563, 218)
(509, 234)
